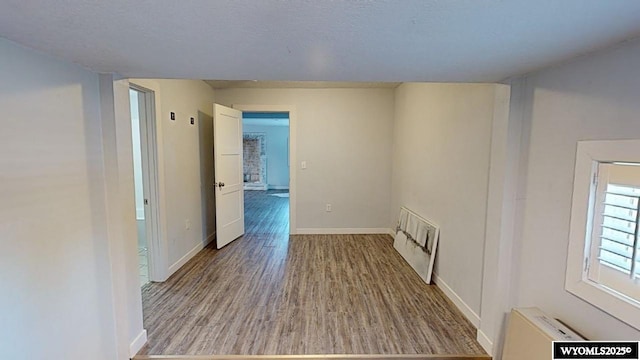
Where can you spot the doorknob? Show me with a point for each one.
(219, 184)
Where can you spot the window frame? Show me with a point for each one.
(588, 156)
(605, 272)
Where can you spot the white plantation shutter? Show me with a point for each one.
(602, 257)
(619, 230)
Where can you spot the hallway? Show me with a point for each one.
(268, 293)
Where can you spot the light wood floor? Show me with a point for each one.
(314, 357)
(269, 293)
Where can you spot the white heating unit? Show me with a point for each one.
(530, 334)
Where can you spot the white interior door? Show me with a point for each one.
(227, 157)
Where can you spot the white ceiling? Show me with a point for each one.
(375, 40)
(234, 84)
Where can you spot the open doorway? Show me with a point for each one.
(144, 172)
(266, 170)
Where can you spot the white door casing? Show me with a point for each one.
(291, 110)
(156, 248)
(228, 166)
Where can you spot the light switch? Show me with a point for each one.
(303, 164)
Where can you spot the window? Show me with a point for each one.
(614, 259)
(603, 264)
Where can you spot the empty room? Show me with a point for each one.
(344, 179)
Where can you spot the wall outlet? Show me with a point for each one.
(328, 208)
(187, 224)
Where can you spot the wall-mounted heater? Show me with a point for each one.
(530, 334)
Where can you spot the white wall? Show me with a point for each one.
(441, 154)
(187, 162)
(277, 153)
(595, 97)
(344, 136)
(506, 147)
(54, 256)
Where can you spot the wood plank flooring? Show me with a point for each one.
(268, 293)
(265, 214)
(314, 357)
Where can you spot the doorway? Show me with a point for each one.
(266, 171)
(144, 172)
(291, 110)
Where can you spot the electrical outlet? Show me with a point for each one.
(328, 208)
(187, 224)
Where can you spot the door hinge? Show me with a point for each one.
(146, 201)
(595, 179)
(586, 264)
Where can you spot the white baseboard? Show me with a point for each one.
(336, 231)
(278, 187)
(457, 300)
(391, 232)
(138, 343)
(209, 239)
(485, 342)
(183, 260)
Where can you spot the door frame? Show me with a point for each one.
(291, 109)
(153, 183)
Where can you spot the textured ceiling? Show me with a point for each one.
(234, 84)
(368, 41)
